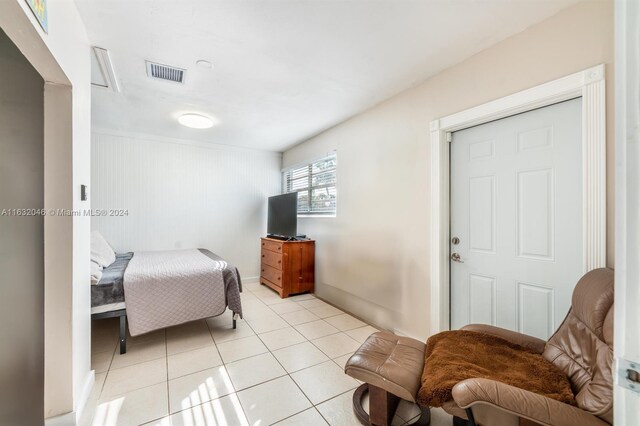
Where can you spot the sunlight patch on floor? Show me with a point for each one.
(107, 413)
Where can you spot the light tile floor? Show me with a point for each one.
(282, 365)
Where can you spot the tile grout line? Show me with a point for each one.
(224, 364)
(139, 362)
(175, 378)
(268, 350)
(330, 359)
(289, 376)
(337, 396)
(313, 405)
(167, 383)
(106, 374)
(167, 371)
(166, 353)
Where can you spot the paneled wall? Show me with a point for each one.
(181, 194)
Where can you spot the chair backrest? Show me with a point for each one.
(582, 346)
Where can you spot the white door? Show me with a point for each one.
(516, 220)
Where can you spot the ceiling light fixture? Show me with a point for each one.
(195, 121)
(204, 64)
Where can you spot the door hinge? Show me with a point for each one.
(449, 137)
(628, 374)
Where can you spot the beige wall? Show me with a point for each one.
(373, 258)
(61, 57)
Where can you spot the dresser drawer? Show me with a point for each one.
(272, 258)
(275, 246)
(272, 274)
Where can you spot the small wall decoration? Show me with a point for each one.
(39, 9)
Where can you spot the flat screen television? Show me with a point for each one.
(282, 218)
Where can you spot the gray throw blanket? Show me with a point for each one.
(110, 287)
(168, 288)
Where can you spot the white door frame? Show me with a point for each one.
(626, 402)
(588, 84)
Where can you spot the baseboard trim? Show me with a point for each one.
(67, 419)
(400, 332)
(250, 280)
(71, 419)
(366, 321)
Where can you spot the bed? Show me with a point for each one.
(164, 289)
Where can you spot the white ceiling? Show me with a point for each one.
(285, 70)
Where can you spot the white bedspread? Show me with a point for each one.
(166, 288)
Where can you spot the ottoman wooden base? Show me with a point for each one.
(382, 407)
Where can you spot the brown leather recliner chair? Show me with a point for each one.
(582, 348)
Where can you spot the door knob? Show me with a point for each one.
(456, 258)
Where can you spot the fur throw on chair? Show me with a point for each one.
(453, 356)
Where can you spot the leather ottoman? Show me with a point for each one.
(391, 367)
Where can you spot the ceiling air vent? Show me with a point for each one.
(165, 72)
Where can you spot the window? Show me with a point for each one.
(315, 184)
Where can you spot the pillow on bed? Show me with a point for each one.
(96, 272)
(101, 251)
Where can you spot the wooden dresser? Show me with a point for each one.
(288, 267)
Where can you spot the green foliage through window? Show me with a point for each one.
(315, 184)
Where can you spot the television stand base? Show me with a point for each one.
(281, 238)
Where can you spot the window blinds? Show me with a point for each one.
(315, 184)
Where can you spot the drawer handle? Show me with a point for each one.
(279, 261)
(263, 270)
(263, 255)
(278, 278)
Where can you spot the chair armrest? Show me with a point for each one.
(524, 340)
(521, 403)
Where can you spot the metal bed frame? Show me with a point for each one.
(122, 314)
